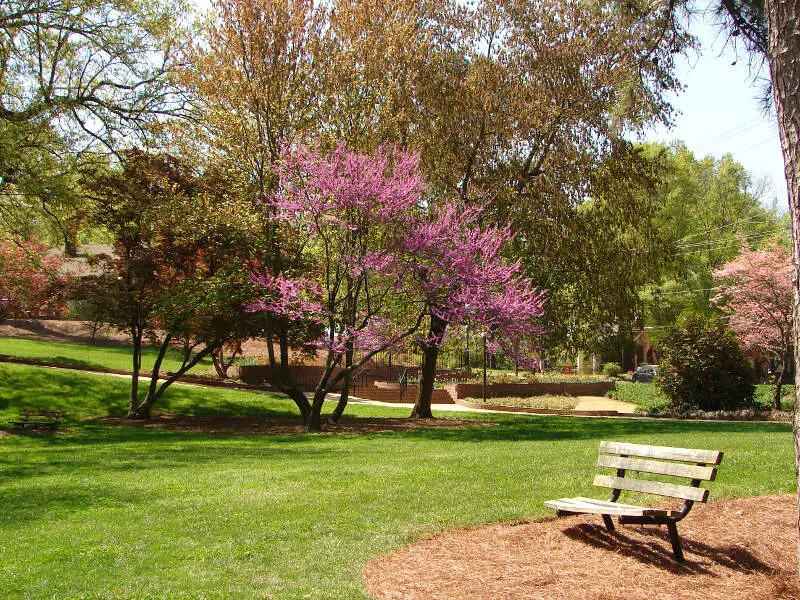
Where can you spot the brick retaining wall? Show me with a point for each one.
(307, 378)
(406, 394)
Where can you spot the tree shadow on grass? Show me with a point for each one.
(90, 395)
(571, 428)
(651, 545)
(53, 502)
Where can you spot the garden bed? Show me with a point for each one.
(477, 403)
(548, 402)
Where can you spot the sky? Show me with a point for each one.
(719, 112)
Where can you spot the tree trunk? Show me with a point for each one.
(279, 368)
(143, 410)
(427, 372)
(314, 420)
(71, 238)
(133, 400)
(784, 63)
(344, 396)
(779, 380)
(155, 391)
(218, 360)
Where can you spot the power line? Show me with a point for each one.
(715, 245)
(719, 241)
(731, 133)
(657, 293)
(722, 227)
(772, 139)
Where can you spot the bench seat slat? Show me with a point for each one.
(601, 507)
(672, 490)
(657, 467)
(709, 457)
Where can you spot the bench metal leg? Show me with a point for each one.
(672, 527)
(609, 523)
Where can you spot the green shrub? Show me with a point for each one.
(702, 366)
(612, 369)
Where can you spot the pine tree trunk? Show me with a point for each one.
(784, 63)
(427, 374)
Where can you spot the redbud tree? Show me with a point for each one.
(347, 208)
(374, 263)
(462, 276)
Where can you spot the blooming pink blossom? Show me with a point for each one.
(756, 291)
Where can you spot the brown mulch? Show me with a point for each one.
(278, 426)
(743, 548)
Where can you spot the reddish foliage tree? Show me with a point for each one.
(29, 279)
(757, 293)
(176, 278)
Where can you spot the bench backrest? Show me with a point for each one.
(42, 412)
(659, 460)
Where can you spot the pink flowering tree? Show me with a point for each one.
(373, 265)
(461, 274)
(756, 291)
(347, 208)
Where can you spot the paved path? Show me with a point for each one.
(602, 403)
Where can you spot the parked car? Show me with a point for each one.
(645, 374)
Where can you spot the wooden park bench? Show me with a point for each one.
(37, 417)
(658, 460)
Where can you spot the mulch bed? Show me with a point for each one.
(742, 548)
(276, 426)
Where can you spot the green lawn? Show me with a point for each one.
(125, 512)
(646, 396)
(85, 355)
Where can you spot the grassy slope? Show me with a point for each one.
(117, 512)
(84, 355)
(644, 394)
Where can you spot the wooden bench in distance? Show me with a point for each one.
(657, 460)
(37, 417)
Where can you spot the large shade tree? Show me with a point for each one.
(521, 107)
(77, 78)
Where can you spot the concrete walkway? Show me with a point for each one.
(602, 403)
